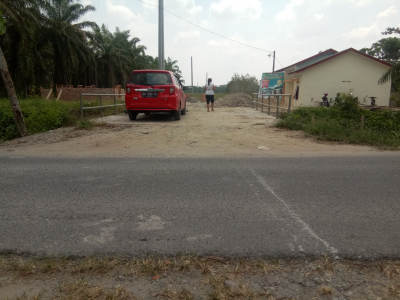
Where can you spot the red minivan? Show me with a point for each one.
(155, 91)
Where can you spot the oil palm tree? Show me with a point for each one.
(393, 73)
(66, 36)
(20, 17)
(116, 55)
(171, 65)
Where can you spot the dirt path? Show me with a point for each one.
(228, 131)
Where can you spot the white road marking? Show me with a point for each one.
(152, 223)
(106, 235)
(295, 216)
(199, 237)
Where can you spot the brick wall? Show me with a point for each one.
(44, 93)
(73, 94)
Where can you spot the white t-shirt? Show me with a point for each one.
(210, 89)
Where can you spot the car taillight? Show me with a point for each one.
(171, 90)
(128, 90)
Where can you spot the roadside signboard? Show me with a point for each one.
(272, 83)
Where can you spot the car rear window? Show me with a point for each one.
(153, 78)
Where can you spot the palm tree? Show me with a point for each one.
(19, 16)
(22, 20)
(394, 72)
(116, 55)
(171, 65)
(66, 37)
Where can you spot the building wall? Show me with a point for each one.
(348, 73)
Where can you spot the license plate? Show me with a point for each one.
(149, 94)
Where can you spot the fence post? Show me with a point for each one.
(101, 108)
(362, 123)
(80, 97)
(262, 105)
(290, 104)
(115, 105)
(277, 107)
(269, 105)
(257, 103)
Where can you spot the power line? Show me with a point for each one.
(279, 61)
(207, 29)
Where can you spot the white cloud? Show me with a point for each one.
(187, 36)
(382, 21)
(236, 10)
(185, 7)
(319, 16)
(289, 12)
(119, 11)
(390, 12)
(188, 6)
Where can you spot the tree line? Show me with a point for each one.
(45, 43)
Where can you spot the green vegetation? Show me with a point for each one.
(43, 115)
(219, 89)
(342, 123)
(47, 43)
(243, 84)
(388, 49)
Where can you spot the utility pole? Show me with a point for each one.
(161, 64)
(191, 62)
(273, 65)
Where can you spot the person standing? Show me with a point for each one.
(209, 89)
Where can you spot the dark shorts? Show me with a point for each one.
(210, 98)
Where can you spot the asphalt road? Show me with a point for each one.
(344, 206)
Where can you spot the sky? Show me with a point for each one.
(295, 29)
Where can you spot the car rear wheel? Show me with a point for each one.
(132, 115)
(177, 114)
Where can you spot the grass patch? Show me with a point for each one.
(43, 115)
(188, 276)
(342, 123)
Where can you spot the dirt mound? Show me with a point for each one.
(234, 100)
(193, 99)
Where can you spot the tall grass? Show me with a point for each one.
(42, 115)
(342, 123)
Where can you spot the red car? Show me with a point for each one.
(155, 91)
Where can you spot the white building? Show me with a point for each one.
(332, 72)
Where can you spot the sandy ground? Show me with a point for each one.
(228, 131)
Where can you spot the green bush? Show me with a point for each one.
(42, 115)
(342, 122)
(8, 128)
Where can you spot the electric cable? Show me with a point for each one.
(278, 61)
(206, 29)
